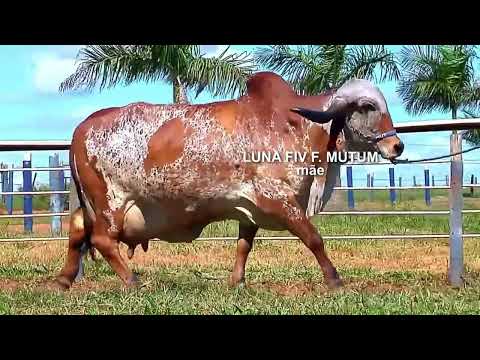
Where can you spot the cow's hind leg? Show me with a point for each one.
(291, 214)
(78, 237)
(246, 234)
(105, 238)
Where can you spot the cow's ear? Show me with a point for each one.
(320, 117)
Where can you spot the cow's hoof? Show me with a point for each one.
(60, 284)
(237, 283)
(334, 283)
(133, 282)
(240, 285)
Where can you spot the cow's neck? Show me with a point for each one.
(323, 138)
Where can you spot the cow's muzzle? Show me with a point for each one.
(391, 148)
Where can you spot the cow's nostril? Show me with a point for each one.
(399, 148)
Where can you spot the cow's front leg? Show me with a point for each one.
(289, 212)
(246, 234)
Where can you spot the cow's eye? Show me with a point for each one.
(369, 107)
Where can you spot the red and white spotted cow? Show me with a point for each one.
(146, 171)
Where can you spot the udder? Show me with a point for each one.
(153, 221)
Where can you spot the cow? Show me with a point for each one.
(145, 171)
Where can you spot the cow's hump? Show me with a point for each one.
(268, 85)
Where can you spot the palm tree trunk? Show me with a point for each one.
(179, 92)
(454, 116)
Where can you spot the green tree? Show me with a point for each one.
(315, 68)
(472, 136)
(438, 78)
(182, 65)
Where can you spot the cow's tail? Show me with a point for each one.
(77, 201)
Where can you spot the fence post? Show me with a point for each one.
(4, 182)
(399, 185)
(61, 187)
(372, 175)
(414, 181)
(446, 180)
(369, 184)
(455, 272)
(433, 180)
(472, 181)
(27, 199)
(10, 189)
(428, 198)
(351, 200)
(393, 195)
(56, 200)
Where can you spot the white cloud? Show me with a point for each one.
(50, 69)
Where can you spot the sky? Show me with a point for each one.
(31, 108)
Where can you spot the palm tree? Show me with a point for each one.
(438, 78)
(472, 136)
(182, 65)
(315, 68)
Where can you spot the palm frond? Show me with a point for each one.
(471, 98)
(472, 136)
(295, 65)
(424, 95)
(422, 87)
(469, 114)
(221, 75)
(110, 65)
(328, 64)
(437, 78)
(363, 61)
(315, 68)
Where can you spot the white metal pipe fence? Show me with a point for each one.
(455, 212)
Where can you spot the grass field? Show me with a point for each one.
(381, 277)
(400, 277)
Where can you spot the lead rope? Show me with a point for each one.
(406, 161)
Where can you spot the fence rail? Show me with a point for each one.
(34, 192)
(323, 213)
(29, 145)
(34, 215)
(454, 186)
(63, 168)
(341, 188)
(272, 238)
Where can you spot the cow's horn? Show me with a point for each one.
(320, 117)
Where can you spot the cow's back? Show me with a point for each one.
(145, 150)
